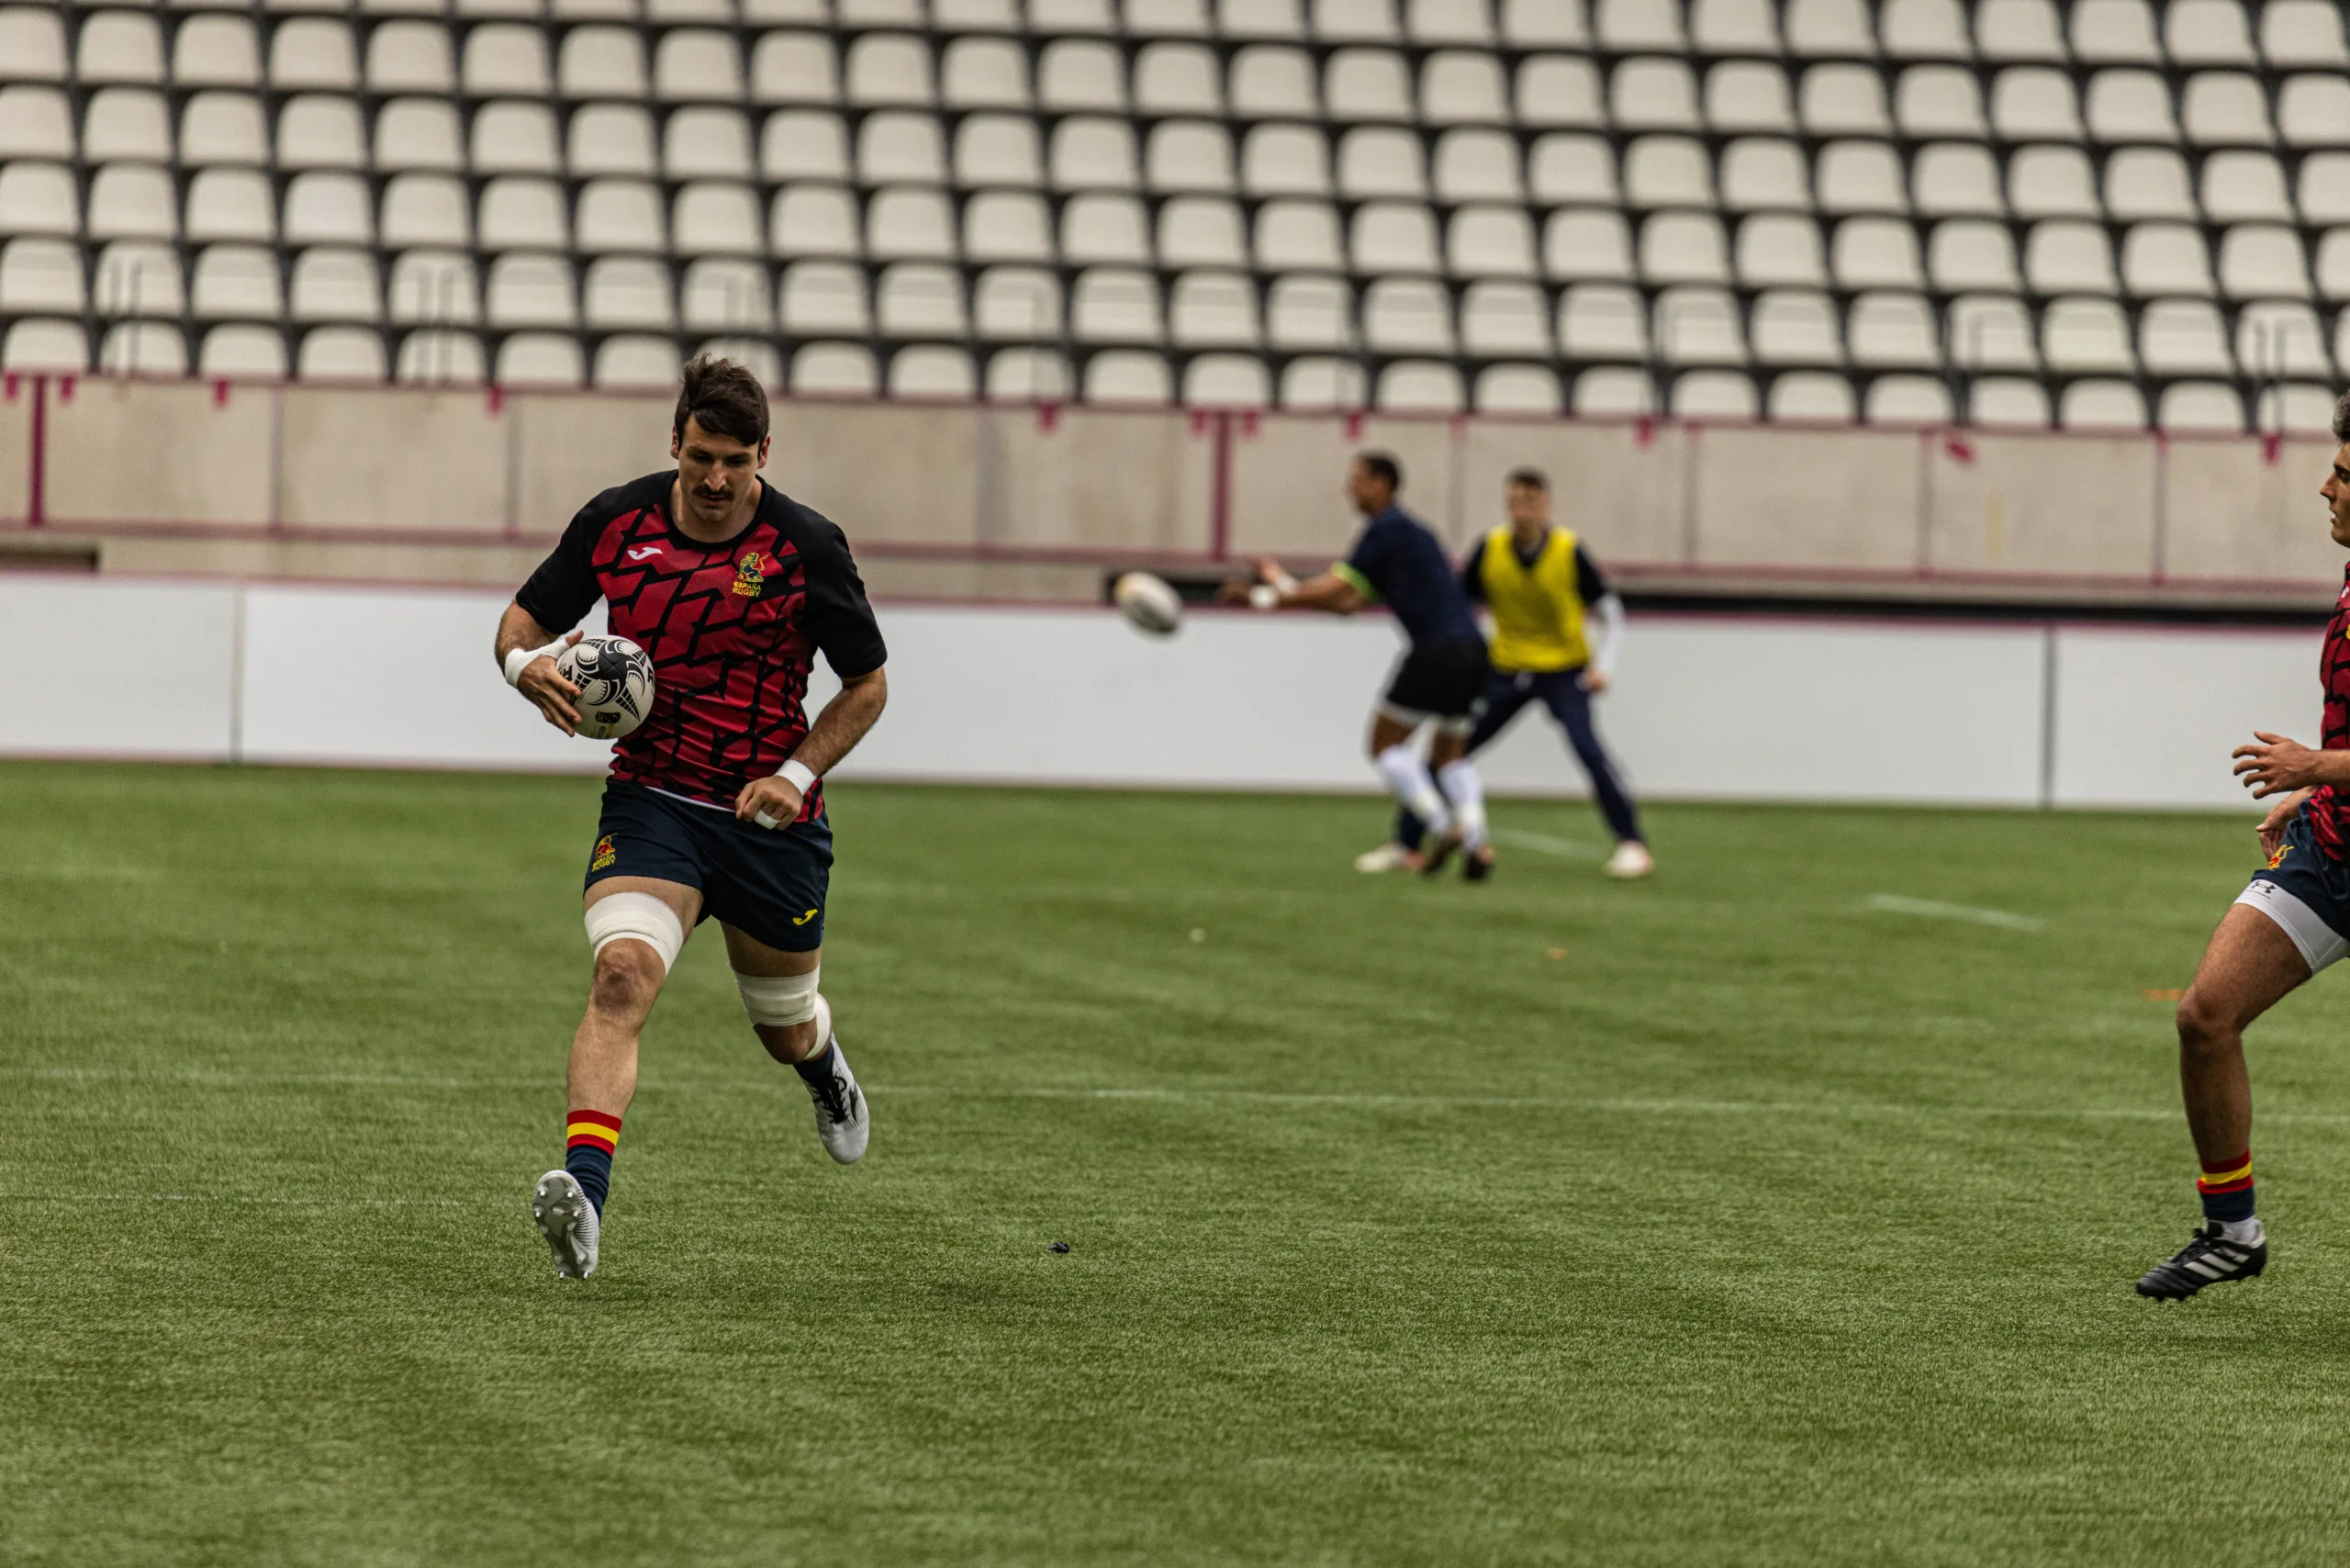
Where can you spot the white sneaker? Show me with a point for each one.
(1388, 856)
(1631, 859)
(843, 1122)
(568, 1222)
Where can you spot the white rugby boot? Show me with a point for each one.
(1388, 856)
(1631, 859)
(843, 1121)
(568, 1222)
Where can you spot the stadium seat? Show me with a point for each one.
(332, 283)
(1684, 247)
(1992, 332)
(223, 127)
(1104, 227)
(720, 295)
(1907, 400)
(1201, 231)
(2226, 108)
(503, 59)
(2263, 261)
(1429, 386)
(633, 360)
(2066, 257)
(434, 289)
(1600, 321)
(1309, 311)
(2182, 336)
(436, 356)
(124, 47)
(143, 348)
(1375, 161)
(541, 359)
(316, 53)
(1624, 25)
(2332, 265)
(1501, 321)
(1748, 95)
(1876, 253)
(315, 131)
(2054, 181)
(329, 208)
(36, 344)
(917, 299)
(1092, 153)
(2208, 32)
(823, 298)
(1668, 171)
(1078, 76)
(1715, 395)
(1614, 391)
(1007, 226)
(973, 74)
(1933, 101)
(39, 275)
(1273, 83)
(794, 68)
(1809, 397)
(517, 212)
(2314, 111)
(2166, 258)
(119, 122)
(420, 134)
(2080, 336)
(1024, 374)
(695, 65)
(1284, 160)
(1128, 377)
(1448, 21)
(930, 370)
(2017, 29)
(2301, 409)
(711, 218)
(2010, 402)
(2200, 405)
(2115, 32)
(229, 204)
(1861, 177)
(2279, 337)
(2245, 187)
(525, 289)
(1393, 237)
(1586, 244)
(1567, 168)
(341, 353)
(2127, 105)
(425, 210)
(901, 146)
(1888, 330)
(1653, 95)
(1213, 310)
(415, 57)
(1781, 249)
(1965, 254)
(132, 201)
(1016, 304)
(238, 283)
(2297, 33)
(593, 63)
(1699, 326)
(2101, 405)
(1490, 242)
(1517, 389)
(1461, 87)
(1115, 305)
(2033, 103)
(1760, 174)
(609, 139)
(1366, 85)
(1555, 91)
(1188, 155)
(1477, 165)
(1734, 27)
(1844, 100)
(137, 277)
(813, 220)
(989, 149)
(1317, 382)
(620, 293)
(243, 353)
(1796, 327)
(215, 50)
(2148, 181)
(32, 44)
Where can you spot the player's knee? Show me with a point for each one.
(778, 1001)
(2203, 1024)
(628, 976)
(635, 938)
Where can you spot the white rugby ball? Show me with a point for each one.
(1149, 604)
(615, 680)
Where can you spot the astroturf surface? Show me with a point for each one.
(1728, 1218)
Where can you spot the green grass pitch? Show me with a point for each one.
(1760, 1228)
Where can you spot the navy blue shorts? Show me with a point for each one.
(2307, 891)
(767, 884)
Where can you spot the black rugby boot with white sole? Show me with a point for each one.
(2210, 1260)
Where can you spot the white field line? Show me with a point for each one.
(1543, 844)
(1893, 903)
(235, 1198)
(1632, 1106)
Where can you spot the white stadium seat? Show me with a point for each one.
(1796, 327)
(119, 122)
(223, 127)
(1668, 171)
(315, 131)
(143, 348)
(1734, 26)
(933, 371)
(125, 47)
(1907, 400)
(1780, 250)
(989, 149)
(1502, 319)
(541, 359)
(1955, 179)
(2314, 111)
(1715, 395)
(341, 353)
(1374, 161)
(1309, 311)
(236, 283)
(1892, 331)
(1427, 386)
(2115, 32)
(1992, 332)
(331, 283)
(32, 44)
(434, 289)
(1764, 175)
(1128, 376)
(2101, 405)
(39, 275)
(1201, 231)
(1213, 310)
(419, 133)
(795, 68)
(2148, 183)
(2086, 335)
(2184, 337)
(1748, 95)
(1811, 396)
(2208, 32)
(2007, 402)
(1859, 178)
(1557, 91)
(832, 370)
(243, 353)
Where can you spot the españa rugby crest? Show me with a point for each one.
(604, 853)
(751, 574)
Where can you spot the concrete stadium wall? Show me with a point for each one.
(1719, 706)
(447, 470)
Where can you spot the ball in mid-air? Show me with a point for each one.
(615, 680)
(1149, 604)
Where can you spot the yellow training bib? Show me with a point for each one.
(1537, 609)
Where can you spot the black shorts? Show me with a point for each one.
(767, 883)
(2307, 891)
(1445, 681)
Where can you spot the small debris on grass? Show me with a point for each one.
(1058, 1247)
(1197, 935)
(1555, 954)
(2163, 994)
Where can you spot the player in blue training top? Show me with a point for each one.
(1441, 679)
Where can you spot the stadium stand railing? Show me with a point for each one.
(2098, 216)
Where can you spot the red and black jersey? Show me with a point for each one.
(732, 630)
(2329, 812)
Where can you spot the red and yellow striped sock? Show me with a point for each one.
(588, 1152)
(2226, 1189)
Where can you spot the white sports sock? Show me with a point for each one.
(1466, 790)
(2244, 1232)
(1407, 779)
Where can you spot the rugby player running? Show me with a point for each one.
(2292, 921)
(1441, 679)
(714, 807)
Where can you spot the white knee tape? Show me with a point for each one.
(639, 917)
(777, 1000)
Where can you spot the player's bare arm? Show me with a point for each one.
(553, 696)
(832, 736)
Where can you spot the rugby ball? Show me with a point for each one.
(1149, 604)
(615, 680)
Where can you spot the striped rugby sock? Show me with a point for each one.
(2226, 1189)
(587, 1152)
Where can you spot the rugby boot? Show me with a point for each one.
(1441, 847)
(1630, 861)
(843, 1122)
(2210, 1260)
(569, 1222)
(1389, 856)
(1478, 864)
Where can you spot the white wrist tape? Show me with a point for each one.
(1264, 596)
(800, 777)
(1282, 582)
(521, 659)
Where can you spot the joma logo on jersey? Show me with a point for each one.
(803, 919)
(604, 853)
(750, 573)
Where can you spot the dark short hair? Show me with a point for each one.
(724, 399)
(2342, 418)
(1380, 465)
(1532, 478)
